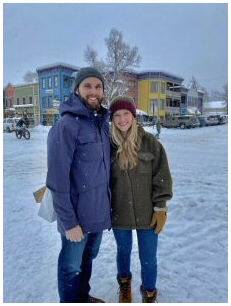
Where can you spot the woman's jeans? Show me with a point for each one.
(147, 243)
(75, 266)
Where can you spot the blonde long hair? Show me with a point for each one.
(127, 153)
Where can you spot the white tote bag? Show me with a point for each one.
(46, 210)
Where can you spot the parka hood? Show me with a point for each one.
(74, 105)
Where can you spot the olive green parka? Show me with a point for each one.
(135, 192)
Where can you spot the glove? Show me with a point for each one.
(158, 221)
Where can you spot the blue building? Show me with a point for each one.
(56, 82)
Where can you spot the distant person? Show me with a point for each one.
(158, 128)
(21, 123)
(78, 177)
(141, 184)
(44, 122)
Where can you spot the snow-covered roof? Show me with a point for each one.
(160, 71)
(57, 64)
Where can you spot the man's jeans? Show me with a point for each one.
(75, 266)
(147, 243)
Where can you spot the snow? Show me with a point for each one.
(215, 104)
(193, 249)
(140, 112)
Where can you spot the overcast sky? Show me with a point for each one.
(180, 38)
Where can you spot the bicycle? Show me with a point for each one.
(22, 132)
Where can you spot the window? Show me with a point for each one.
(44, 102)
(132, 85)
(163, 87)
(43, 83)
(183, 100)
(49, 82)
(176, 103)
(56, 80)
(154, 105)
(23, 100)
(50, 104)
(66, 81)
(30, 100)
(154, 86)
(36, 99)
(162, 104)
(18, 101)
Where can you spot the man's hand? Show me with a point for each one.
(75, 234)
(158, 221)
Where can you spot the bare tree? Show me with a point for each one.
(120, 57)
(30, 77)
(206, 97)
(216, 95)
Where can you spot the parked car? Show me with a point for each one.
(221, 119)
(9, 124)
(184, 121)
(225, 118)
(214, 119)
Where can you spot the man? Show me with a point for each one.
(158, 128)
(22, 122)
(78, 177)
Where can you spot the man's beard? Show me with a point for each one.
(92, 106)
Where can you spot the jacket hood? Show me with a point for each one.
(74, 105)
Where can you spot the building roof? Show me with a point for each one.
(160, 72)
(26, 85)
(57, 64)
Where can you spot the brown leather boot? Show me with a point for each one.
(148, 296)
(125, 289)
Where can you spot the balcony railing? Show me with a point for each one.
(173, 110)
(173, 94)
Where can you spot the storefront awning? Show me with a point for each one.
(23, 105)
(51, 111)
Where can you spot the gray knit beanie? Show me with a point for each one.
(88, 72)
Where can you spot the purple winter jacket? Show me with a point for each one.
(78, 151)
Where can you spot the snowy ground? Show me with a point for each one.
(193, 250)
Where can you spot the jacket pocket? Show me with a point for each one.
(88, 150)
(145, 162)
(86, 138)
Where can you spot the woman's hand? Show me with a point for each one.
(159, 219)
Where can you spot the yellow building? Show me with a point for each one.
(160, 93)
(27, 102)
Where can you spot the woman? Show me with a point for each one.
(141, 184)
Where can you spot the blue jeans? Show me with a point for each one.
(147, 243)
(75, 266)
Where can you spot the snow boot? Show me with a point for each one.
(148, 296)
(125, 289)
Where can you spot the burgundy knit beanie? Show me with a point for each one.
(123, 102)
